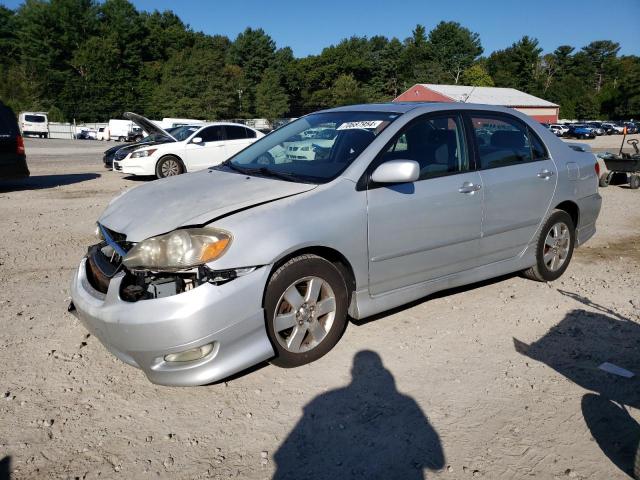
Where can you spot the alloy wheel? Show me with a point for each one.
(556, 246)
(170, 168)
(304, 314)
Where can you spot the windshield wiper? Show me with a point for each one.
(227, 163)
(264, 171)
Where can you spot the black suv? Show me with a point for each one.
(13, 161)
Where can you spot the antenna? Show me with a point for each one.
(466, 97)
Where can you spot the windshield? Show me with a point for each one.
(315, 148)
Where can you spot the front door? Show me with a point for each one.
(519, 180)
(430, 228)
(210, 151)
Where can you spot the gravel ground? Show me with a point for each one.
(496, 380)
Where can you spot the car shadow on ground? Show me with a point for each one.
(365, 430)
(39, 182)
(575, 348)
(140, 178)
(5, 468)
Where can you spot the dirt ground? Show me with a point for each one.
(498, 380)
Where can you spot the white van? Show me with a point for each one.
(123, 131)
(169, 122)
(34, 123)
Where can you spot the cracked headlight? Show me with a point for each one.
(178, 250)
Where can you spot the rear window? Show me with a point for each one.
(35, 118)
(235, 133)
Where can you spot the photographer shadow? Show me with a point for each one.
(365, 430)
(575, 348)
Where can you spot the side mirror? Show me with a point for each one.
(197, 140)
(397, 171)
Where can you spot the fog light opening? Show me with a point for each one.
(190, 355)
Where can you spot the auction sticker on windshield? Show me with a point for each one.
(362, 124)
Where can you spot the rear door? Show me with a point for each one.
(210, 151)
(519, 179)
(430, 228)
(238, 138)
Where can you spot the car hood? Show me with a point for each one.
(191, 199)
(147, 125)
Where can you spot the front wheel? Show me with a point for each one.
(634, 181)
(554, 248)
(306, 302)
(169, 166)
(604, 180)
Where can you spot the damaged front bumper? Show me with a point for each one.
(143, 333)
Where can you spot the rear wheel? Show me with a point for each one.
(634, 181)
(604, 180)
(554, 248)
(169, 166)
(306, 303)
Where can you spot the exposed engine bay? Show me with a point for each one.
(104, 262)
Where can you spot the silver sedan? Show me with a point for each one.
(266, 256)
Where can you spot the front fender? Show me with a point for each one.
(333, 216)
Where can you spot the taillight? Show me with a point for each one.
(20, 145)
(597, 167)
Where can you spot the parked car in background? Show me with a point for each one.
(120, 151)
(596, 127)
(210, 144)
(581, 131)
(563, 129)
(85, 133)
(204, 275)
(34, 124)
(612, 129)
(13, 160)
(631, 127)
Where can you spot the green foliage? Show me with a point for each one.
(92, 60)
(453, 48)
(272, 101)
(477, 76)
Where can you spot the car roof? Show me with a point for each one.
(424, 107)
(209, 124)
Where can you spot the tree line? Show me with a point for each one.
(90, 61)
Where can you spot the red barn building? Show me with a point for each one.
(542, 110)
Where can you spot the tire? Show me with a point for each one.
(169, 166)
(634, 181)
(619, 178)
(302, 336)
(604, 180)
(122, 139)
(564, 240)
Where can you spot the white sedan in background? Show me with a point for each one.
(189, 149)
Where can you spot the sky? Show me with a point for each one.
(309, 26)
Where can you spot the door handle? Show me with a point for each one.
(545, 174)
(468, 187)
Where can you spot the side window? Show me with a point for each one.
(501, 141)
(211, 134)
(537, 147)
(235, 133)
(436, 143)
(249, 133)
